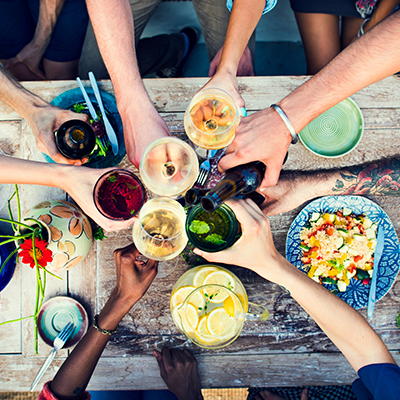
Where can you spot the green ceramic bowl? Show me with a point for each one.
(336, 132)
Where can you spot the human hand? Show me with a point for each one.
(133, 276)
(44, 121)
(245, 66)
(79, 183)
(226, 81)
(261, 137)
(255, 249)
(179, 370)
(31, 55)
(140, 130)
(267, 395)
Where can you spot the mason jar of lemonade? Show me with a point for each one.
(209, 305)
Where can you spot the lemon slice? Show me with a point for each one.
(176, 316)
(180, 296)
(202, 326)
(203, 336)
(201, 274)
(220, 278)
(230, 306)
(190, 318)
(219, 323)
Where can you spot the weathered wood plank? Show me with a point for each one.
(141, 372)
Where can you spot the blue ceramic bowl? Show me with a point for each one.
(67, 100)
(8, 270)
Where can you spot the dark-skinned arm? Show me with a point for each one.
(133, 279)
(380, 178)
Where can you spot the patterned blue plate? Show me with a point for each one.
(67, 100)
(356, 294)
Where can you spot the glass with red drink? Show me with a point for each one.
(119, 194)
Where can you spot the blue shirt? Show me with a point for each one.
(377, 382)
(269, 5)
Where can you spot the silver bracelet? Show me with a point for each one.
(288, 124)
(361, 31)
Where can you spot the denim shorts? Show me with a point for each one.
(18, 19)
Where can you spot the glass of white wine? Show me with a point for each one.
(159, 232)
(211, 120)
(169, 167)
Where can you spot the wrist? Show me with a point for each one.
(227, 69)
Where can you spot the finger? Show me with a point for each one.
(304, 394)
(166, 355)
(231, 159)
(254, 207)
(244, 213)
(271, 175)
(189, 355)
(212, 257)
(160, 361)
(12, 62)
(36, 71)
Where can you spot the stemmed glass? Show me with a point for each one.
(210, 121)
(159, 232)
(169, 167)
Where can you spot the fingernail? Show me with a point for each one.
(197, 251)
(155, 354)
(243, 112)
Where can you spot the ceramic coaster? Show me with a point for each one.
(58, 312)
(335, 132)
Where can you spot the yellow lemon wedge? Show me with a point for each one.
(230, 306)
(199, 276)
(202, 326)
(219, 323)
(180, 295)
(190, 318)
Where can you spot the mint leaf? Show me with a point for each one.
(78, 108)
(215, 239)
(199, 227)
(112, 178)
(398, 321)
(98, 234)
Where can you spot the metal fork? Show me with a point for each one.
(58, 344)
(204, 171)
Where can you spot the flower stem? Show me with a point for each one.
(10, 212)
(16, 320)
(18, 203)
(16, 223)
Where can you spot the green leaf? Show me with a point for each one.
(398, 321)
(78, 108)
(129, 186)
(98, 234)
(112, 178)
(199, 227)
(215, 239)
(133, 211)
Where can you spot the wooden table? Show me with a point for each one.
(287, 350)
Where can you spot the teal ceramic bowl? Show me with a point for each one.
(336, 132)
(58, 312)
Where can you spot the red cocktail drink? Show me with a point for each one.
(119, 194)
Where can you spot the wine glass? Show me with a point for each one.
(119, 194)
(211, 120)
(159, 232)
(169, 167)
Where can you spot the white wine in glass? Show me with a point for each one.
(159, 232)
(169, 167)
(211, 119)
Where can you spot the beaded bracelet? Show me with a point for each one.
(103, 331)
(287, 122)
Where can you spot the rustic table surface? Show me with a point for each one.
(287, 350)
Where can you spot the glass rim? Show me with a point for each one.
(167, 140)
(130, 173)
(200, 94)
(152, 237)
(193, 238)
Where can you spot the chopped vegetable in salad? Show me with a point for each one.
(338, 247)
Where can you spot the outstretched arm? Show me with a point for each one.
(133, 279)
(296, 187)
(264, 137)
(113, 26)
(14, 170)
(255, 250)
(243, 20)
(43, 118)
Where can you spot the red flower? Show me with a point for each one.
(43, 254)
